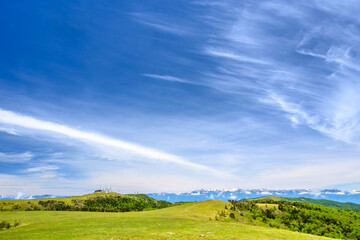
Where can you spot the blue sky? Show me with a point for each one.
(178, 95)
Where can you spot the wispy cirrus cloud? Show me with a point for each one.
(158, 22)
(16, 157)
(8, 130)
(15, 119)
(44, 171)
(264, 38)
(260, 89)
(231, 55)
(256, 44)
(42, 168)
(301, 176)
(167, 78)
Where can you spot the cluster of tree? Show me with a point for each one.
(53, 205)
(328, 203)
(110, 203)
(151, 202)
(295, 216)
(123, 204)
(7, 225)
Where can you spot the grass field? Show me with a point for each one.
(187, 221)
(268, 205)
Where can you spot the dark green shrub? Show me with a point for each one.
(17, 223)
(4, 224)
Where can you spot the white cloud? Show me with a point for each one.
(8, 130)
(18, 195)
(230, 55)
(167, 78)
(283, 65)
(44, 172)
(212, 3)
(321, 93)
(303, 193)
(159, 23)
(34, 184)
(336, 193)
(314, 175)
(16, 157)
(265, 193)
(42, 168)
(8, 117)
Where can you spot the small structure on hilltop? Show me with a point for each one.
(99, 190)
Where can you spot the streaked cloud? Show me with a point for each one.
(42, 168)
(16, 157)
(158, 22)
(45, 172)
(9, 117)
(167, 78)
(233, 56)
(8, 130)
(182, 95)
(329, 106)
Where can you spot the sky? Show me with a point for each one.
(173, 96)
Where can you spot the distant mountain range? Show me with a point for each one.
(236, 194)
(9, 197)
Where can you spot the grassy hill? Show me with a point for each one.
(187, 221)
(324, 202)
(104, 202)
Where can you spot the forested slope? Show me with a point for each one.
(295, 216)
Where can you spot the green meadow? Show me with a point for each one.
(187, 221)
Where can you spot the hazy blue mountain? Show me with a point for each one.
(236, 194)
(8, 197)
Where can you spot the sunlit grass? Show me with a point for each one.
(187, 221)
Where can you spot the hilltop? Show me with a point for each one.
(99, 202)
(323, 202)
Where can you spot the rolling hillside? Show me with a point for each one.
(295, 216)
(187, 221)
(328, 203)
